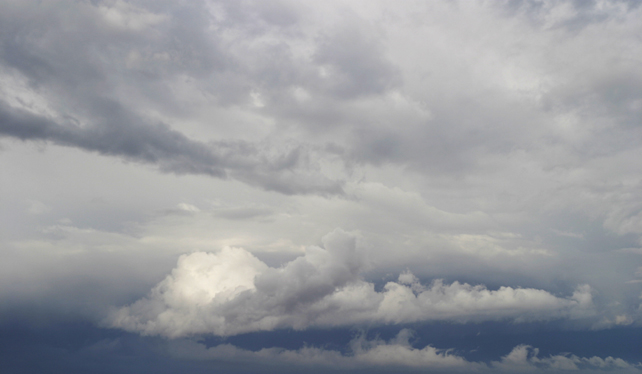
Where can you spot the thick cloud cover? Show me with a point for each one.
(486, 153)
(398, 353)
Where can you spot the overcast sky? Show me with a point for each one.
(313, 186)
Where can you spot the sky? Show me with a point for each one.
(355, 186)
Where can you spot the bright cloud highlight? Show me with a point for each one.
(233, 292)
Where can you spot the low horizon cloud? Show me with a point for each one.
(233, 292)
(398, 353)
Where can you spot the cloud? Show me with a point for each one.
(178, 83)
(399, 354)
(525, 358)
(362, 352)
(352, 62)
(233, 292)
(98, 116)
(491, 144)
(131, 138)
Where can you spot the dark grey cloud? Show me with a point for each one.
(80, 74)
(123, 135)
(133, 64)
(98, 80)
(79, 346)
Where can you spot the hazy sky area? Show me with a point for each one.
(320, 186)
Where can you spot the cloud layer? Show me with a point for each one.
(487, 153)
(399, 354)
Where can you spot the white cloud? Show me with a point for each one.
(399, 354)
(363, 352)
(526, 358)
(233, 292)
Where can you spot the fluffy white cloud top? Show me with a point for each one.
(233, 292)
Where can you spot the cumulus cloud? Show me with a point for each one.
(362, 352)
(526, 358)
(399, 353)
(233, 292)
